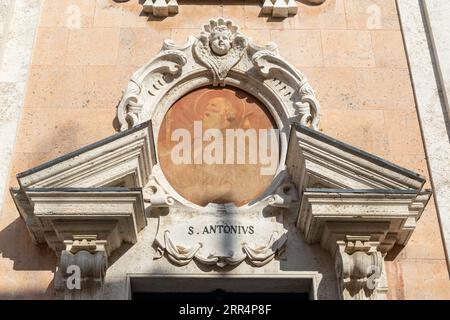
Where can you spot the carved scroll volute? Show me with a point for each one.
(358, 266)
(155, 194)
(220, 55)
(147, 83)
(271, 66)
(82, 268)
(130, 107)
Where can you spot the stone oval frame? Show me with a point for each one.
(257, 70)
(281, 122)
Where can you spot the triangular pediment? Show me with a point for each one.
(329, 163)
(346, 191)
(94, 190)
(124, 159)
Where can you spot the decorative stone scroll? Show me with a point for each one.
(219, 56)
(82, 267)
(220, 235)
(154, 194)
(359, 266)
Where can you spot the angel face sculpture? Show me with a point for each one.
(221, 40)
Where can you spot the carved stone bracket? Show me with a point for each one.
(279, 8)
(273, 8)
(161, 8)
(82, 268)
(359, 266)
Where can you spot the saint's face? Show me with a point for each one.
(218, 114)
(200, 182)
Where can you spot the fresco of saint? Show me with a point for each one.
(219, 109)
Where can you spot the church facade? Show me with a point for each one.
(273, 147)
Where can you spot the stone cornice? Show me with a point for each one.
(113, 214)
(345, 167)
(125, 153)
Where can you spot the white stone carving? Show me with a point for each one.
(286, 193)
(279, 8)
(271, 66)
(359, 266)
(274, 8)
(220, 47)
(87, 255)
(154, 193)
(163, 69)
(90, 202)
(219, 235)
(233, 60)
(161, 8)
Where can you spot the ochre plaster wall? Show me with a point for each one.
(360, 75)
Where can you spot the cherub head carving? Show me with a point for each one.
(220, 40)
(221, 36)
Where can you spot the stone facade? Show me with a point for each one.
(359, 71)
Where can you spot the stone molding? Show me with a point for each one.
(57, 215)
(272, 8)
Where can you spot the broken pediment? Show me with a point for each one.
(340, 183)
(351, 184)
(331, 163)
(342, 193)
(99, 183)
(88, 203)
(356, 205)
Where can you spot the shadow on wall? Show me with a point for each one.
(17, 246)
(27, 293)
